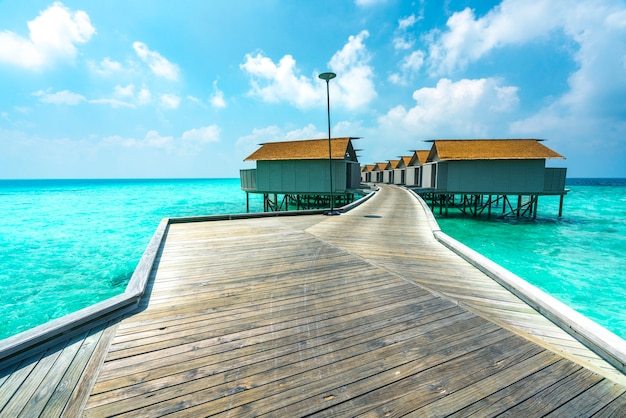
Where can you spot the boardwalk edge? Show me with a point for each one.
(598, 339)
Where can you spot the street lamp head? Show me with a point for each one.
(327, 76)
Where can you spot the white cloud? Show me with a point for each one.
(217, 98)
(512, 22)
(106, 67)
(205, 134)
(53, 36)
(352, 88)
(354, 75)
(114, 103)
(409, 67)
(467, 108)
(170, 101)
(159, 65)
(144, 96)
(64, 97)
(402, 39)
(128, 91)
(282, 82)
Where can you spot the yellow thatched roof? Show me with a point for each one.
(367, 168)
(419, 157)
(309, 149)
(490, 149)
(392, 164)
(380, 166)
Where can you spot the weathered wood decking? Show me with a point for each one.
(361, 314)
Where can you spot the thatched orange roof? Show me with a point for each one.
(379, 167)
(367, 168)
(405, 160)
(419, 157)
(392, 164)
(490, 149)
(309, 149)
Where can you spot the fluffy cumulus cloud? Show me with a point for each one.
(467, 38)
(282, 82)
(594, 31)
(467, 108)
(159, 65)
(53, 36)
(355, 85)
(276, 82)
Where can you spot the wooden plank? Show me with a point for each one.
(81, 391)
(591, 401)
(30, 380)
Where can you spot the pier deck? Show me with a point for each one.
(359, 314)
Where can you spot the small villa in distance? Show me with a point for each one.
(299, 171)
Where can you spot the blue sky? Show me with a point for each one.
(190, 88)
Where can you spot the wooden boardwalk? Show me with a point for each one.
(359, 314)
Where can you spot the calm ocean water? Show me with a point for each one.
(66, 244)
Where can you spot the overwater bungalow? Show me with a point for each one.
(378, 173)
(366, 173)
(389, 171)
(477, 169)
(300, 172)
(413, 168)
(399, 172)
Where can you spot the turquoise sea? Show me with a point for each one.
(579, 258)
(66, 244)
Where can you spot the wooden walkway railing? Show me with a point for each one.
(359, 314)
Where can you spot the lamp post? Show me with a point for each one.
(328, 77)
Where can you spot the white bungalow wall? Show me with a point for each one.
(409, 176)
(399, 176)
(412, 176)
(428, 175)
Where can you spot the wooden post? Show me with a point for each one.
(536, 205)
(489, 207)
(247, 202)
(519, 204)
(561, 205)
